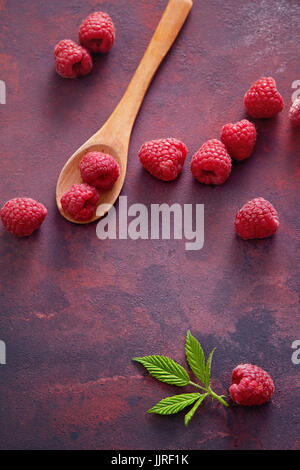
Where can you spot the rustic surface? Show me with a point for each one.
(74, 310)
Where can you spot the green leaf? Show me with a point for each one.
(208, 368)
(192, 411)
(164, 369)
(195, 356)
(172, 405)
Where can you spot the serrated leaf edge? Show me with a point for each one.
(168, 376)
(200, 374)
(208, 368)
(181, 401)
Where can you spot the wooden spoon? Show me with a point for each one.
(113, 138)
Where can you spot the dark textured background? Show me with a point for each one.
(74, 310)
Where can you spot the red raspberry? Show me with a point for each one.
(80, 202)
(22, 215)
(256, 219)
(100, 170)
(263, 100)
(211, 164)
(72, 60)
(251, 385)
(294, 113)
(239, 139)
(163, 158)
(97, 32)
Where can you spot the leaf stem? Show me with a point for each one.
(217, 397)
(210, 392)
(197, 385)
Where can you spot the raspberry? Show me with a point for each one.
(163, 158)
(239, 139)
(294, 113)
(211, 164)
(256, 219)
(100, 170)
(80, 202)
(72, 60)
(263, 100)
(97, 32)
(22, 215)
(251, 385)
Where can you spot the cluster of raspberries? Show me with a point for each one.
(96, 34)
(164, 159)
(211, 164)
(21, 216)
(99, 171)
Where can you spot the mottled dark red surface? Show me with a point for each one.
(74, 310)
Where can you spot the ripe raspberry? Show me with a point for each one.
(211, 164)
(80, 202)
(100, 170)
(163, 158)
(97, 32)
(294, 113)
(239, 139)
(256, 219)
(263, 100)
(22, 215)
(72, 60)
(251, 385)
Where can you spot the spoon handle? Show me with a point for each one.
(166, 32)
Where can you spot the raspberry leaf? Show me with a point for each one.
(195, 356)
(192, 411)
(172, 405)
(208, 368)
(164, 369)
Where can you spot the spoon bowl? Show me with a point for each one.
(70, 175)
(114, 137)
